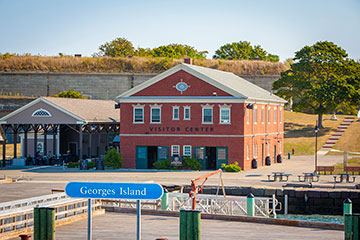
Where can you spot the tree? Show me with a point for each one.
(243, 50)
(69, 94)
(120, 47)
(176, 51)
(322, 79)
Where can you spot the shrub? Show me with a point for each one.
(91, 165)
(162, 164)
(73, 165)
(231, 167)
(113, 158)
(191, 163)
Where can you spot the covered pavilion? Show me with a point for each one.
(83, 128)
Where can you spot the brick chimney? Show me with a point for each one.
(187, 60)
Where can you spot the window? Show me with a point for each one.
(155, 114)
(269, 115)
(175, 113)
(255, 147)
(247, 152)
(280, 147)
(187, 150)
(207, 114)
(262, 115)
(224, 114)
(255, 115)
(186, 113)
(247, 116)
(280, 115)
(138, 113)
(41, 113)
(175, 150)
(275, 115)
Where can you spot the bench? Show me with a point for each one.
(352, 169)
(325, 169)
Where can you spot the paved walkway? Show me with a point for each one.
(43, 179)
(123, 226)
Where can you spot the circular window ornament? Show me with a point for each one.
(181, 86)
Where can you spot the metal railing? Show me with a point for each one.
(15, 221)
(212, 204)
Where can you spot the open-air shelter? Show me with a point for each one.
(83, 128)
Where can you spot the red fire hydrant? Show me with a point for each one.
(292, 151)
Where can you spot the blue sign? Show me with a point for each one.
(138, 191)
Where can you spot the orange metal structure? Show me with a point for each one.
(195, 188)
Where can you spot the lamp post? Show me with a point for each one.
(316, 136)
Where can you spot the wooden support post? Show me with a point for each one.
(50, 223)
(4, 153)
(45, 140)
(15, 142)
(35, 142)
(80, 142)
(196, 217)
(14, 221)
(25, 143)
(90, 143)
(43, 223)
(348, 227)
(36, 223)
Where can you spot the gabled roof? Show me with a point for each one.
(226, 81)
(83, 110)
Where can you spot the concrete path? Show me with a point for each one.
(123, 226)
(43, 179)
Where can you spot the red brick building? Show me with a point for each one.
(214, 116)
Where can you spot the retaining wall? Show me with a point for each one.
(92, 85)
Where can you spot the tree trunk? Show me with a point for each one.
(320, 126)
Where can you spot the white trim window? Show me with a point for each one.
(225, 114)
(255, 150)
(138, 114)
(269, 112)
(155, 113)
(255, 115)
(275, 115)
(175, 150)
(247, 116)
(262, 115)
(207, 114)
(280, 147)
(187, 150)
(280, 114)
(187, 113)
(176, 113)
(41, 113)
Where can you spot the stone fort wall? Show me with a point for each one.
(92, 85)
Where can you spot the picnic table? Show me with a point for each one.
(308, 177)
(344, 176)
(280, 176)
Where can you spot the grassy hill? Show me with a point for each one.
(300, 135)
(13, 63)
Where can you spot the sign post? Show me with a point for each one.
(136, 191)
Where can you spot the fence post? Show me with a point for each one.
(36, 223)
(250, 205)
(355, 218)
(196, 223)
(347, 206)
(165, 201)
(189, 225)
(183, 224)
(50, 223)
(348, 227)
(43, 220)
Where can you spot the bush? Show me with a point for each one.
(73, 165)
(191, 163)
(231, 167)
(91, 165)
(162, 164)
(113, 158)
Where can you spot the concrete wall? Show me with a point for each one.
(92, 85)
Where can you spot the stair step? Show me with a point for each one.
(330, 142)
(327, 147)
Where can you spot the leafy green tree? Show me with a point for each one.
(243, 50)
(177, 51)
(70, 94)
(120, 47)
(113, 158)
(321, 80)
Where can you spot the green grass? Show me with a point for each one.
(300, 135)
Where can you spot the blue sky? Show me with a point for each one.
(281, 27)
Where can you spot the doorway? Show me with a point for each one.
(210, 157)
(152, 156)
(262, 154)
